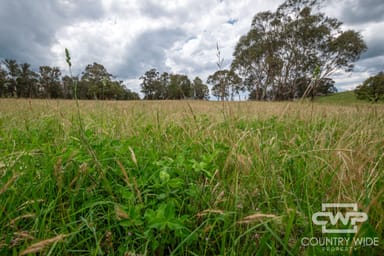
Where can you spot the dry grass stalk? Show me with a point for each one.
(219, 198)
(83, 169)
(120, 213)
(28, 215)
(137, 190)
(208, 211)
(24, 234)
(39, 246)
(256, 217)
(107, 243)
(8, 184)
(133, 156)
(126, 178)
(29, 202)
(125, 174)
(19, 238)
(132, 254)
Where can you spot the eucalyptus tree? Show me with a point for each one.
(165, 86)
(13, 71)
(94, 82)
(150, 84)
(162, 86)
(50, 82)
(3, 80)
(130, 95)
(180, 87)
(27, 82)
(225, 83)
(68, 85)
(200, 90)
(287, 45)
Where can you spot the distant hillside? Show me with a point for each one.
(340, 97)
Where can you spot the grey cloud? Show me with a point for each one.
(362, 11)
(195, 65)
(152, 9)
(148, 51)
(372, 60)
(372, 65)
(85, 9)
(364, 16)
(375, 47)
(182, 13)
(31, 26)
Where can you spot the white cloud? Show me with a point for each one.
(110, 41)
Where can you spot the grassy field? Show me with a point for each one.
(185, 178)
(347, 97)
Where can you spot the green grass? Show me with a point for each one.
(184, 178)
(347, 97)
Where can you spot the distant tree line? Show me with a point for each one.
(20, 81)
(165, 86)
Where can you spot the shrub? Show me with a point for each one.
(372, 89)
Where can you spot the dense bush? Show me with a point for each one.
(372, 89)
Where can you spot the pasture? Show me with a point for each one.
(185, 177)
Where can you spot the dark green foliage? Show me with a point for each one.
(152, 86)
(372, 89)
(225, 84)
(3, 80)
(26, 83)
(95, 83)
(171, 86)
(323, 87)
(49, 82)
(200, 90)
(13, 71)
(178, 87)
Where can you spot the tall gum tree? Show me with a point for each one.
(288, 45)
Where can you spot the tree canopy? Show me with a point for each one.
(372, 89)
(19, 80)
(285, 47)
(156, 86)
(225, 83)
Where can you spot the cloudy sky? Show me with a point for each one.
(131, 36)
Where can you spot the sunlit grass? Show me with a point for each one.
(347, 97)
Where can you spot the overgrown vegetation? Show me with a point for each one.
(184, 178)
